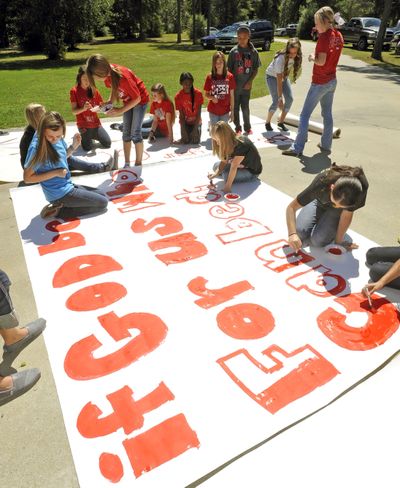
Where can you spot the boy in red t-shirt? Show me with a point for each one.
(163, 114)
(219, 88)
(327, 53)
(188, 102)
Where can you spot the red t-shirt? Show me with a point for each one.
(183, 102)
(220, 87)
(160, 110)
(86, 119)
(130, 86)
(331, 43)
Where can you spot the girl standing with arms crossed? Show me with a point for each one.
(240, 160)
(188, 102)
(277, 78)
(83, 100)
(243, 63)
(128, 88)
(327, 53)
(163, 114)
(219, 89)
(46, 163)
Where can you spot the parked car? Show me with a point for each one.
(362, 32)
(395, 44)
(208, 42)
(214, 30)
(280, 31)
(291, 30)
(262, 35)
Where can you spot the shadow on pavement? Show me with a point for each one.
(388, 72)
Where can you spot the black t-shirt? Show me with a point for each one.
(25, 143)
(320, 190)
(252, 159)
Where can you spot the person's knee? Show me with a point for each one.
(106, 144)
(288, 102)
(372, 255)
(86, 145)
(319, 239)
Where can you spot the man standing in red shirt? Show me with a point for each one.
(323, 86)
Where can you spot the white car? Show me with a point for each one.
(280, 31)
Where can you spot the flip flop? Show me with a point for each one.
(116, 126)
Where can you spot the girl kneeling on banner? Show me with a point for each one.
(46, 163)
(163, 111)
(327, 207)
(240, 160)
(277, 78)
(384, 269)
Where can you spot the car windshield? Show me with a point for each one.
(372, 22)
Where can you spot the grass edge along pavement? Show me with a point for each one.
(30, 78)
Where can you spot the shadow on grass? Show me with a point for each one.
(41, 63)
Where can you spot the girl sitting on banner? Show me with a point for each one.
(277, 78)
(219, 89)
(33, 113)
(163, 111)
(188, 102)
(327, 207)
(384, 269)
(128, 88)
(46, 163)
(84, 102)
(240, 160)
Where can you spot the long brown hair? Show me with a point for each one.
(291, 43)
(218, 55)
(46, 151)
(98, 65)
(347, 187)
(82, 71)
(227, 140)
(160, 88)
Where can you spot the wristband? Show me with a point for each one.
(292, 234)
(280, 98)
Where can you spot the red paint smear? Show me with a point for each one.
(213, 297)
(162, 225)
(381, 323)
(57, 226)
(82, 268)
(80, 363)
(111, 467)
(95, 296)
(274, 263)
(160, 444)
(128, 413)
(246, 321)
(335, 250)
(232, 196)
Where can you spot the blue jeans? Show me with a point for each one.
(132, 124)
(242, 100)
(243, 175)
(82, 200)
(286, 91)
(317, 226)
(216, 118)
(97, 134)
(381, 259)
(81, 165)
(324, 95)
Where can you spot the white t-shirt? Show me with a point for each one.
(278, 64)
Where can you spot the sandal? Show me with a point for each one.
(51, 210)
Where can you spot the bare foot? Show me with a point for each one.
(11, 336)
(5, 382)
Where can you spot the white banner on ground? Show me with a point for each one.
(160, 150)
(182, 330)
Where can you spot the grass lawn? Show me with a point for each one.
(390, 61)
(33, 78)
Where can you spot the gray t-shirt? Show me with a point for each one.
(242, 62)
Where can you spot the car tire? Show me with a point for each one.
(266, 45)
(362, 44)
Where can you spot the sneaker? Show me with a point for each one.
(238, 131)
(268, 127)
(117, 126)
(283, 127)
(51, 210)
(115, 160)
(22, 381)
(10, 352)
(127, 165)
(248, 132)
(291, 152)
(323, 149)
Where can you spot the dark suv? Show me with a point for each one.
(262, 34)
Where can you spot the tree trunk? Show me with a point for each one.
(377, 51)
(178, 22)
(194, 20)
